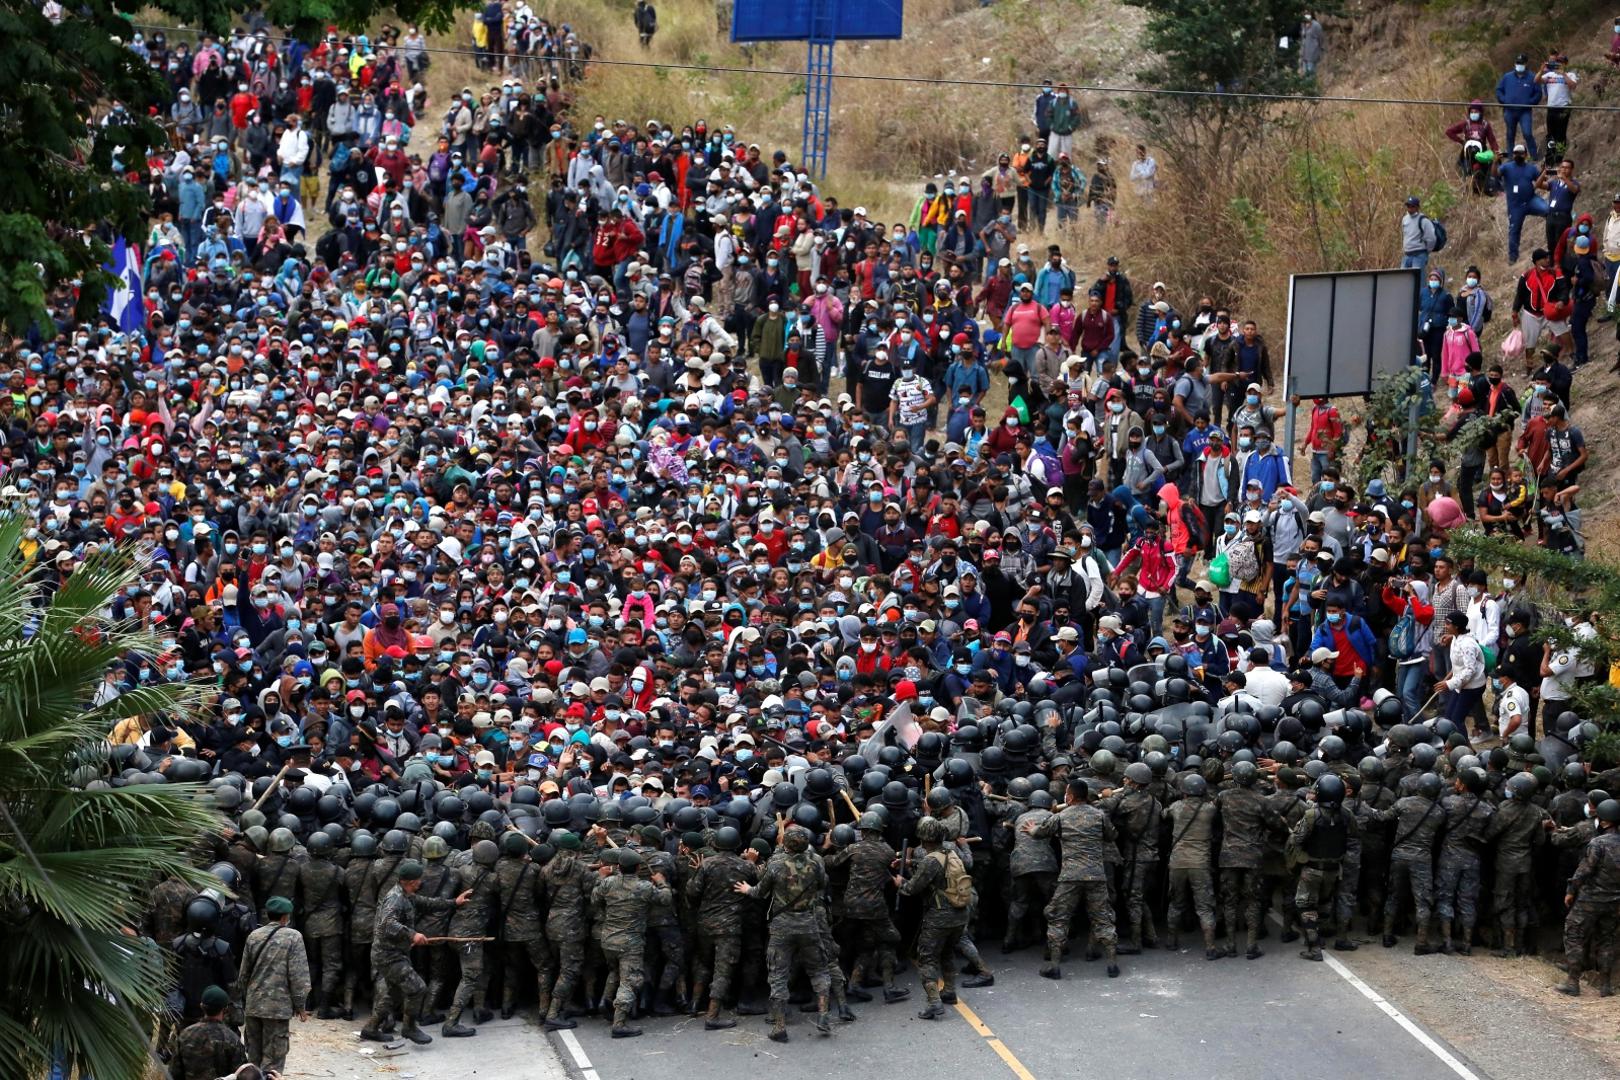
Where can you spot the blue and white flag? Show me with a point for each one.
(126, 303)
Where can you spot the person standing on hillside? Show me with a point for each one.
(1517, 91)
(646, 18)
(1310, 44)
(1417, 236)
(1558, 82)
(1520, 179)
(1064, 118)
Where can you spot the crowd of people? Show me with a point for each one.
(623, 598)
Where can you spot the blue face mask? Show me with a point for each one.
(480, 679)
(1335, 617)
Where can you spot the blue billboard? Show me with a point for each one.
(790, 20)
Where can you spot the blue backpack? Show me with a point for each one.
(1403, 636)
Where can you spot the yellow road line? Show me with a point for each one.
(983, 1031)
(1012, 1062)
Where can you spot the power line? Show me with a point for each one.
(994, 84)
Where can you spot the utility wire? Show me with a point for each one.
(917, 80)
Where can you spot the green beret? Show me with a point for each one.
(279, 905)
(215, 999)
(565, 840)
(692, 839)
(410, 870)
(652, 834)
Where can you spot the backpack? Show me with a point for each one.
(1244, 560)
(1490, 309)
(1197, 527)
(1439, 235)
(1403, 636)
(958, 890)
(1054, 466)
(340, 158)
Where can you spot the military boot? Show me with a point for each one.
(1465, 940)
(983, 978)
(543, 1006)
(1313, 945)
(556, 1021)
(1110, 954)
(1343, 943)
(1510, 944)
(1389, 932)
(933, 1010)
(1571, 984)
(1422, 947)
(1150, 933)
(712, 1020)
(1129, 947)
(409, 1029)
(778, 1021)
(1050, 969)
(508, 1005)
(324, 1009)
(1210, 951)
(853, 990)
(348, 1003)
(822, 1021)
(699, 994)
(893, 993)
(373, 1031)
(661, 1004)
(453, 1028)
(621, 1023)
(1445, 937)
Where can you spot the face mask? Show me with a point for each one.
(1115, 407)
(1335, 617)
(1244, 442)
(357, 711)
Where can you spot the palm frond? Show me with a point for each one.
(77, 866)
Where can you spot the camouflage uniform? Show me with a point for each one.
(1192, 835)
(1517, 829)
(1594, 918)
(473, 919)
(362, 924)
(1136, 815)
(1086, 840)
(275, 875)
(665, 953)
(1247, 818)
(569, 883)
(273, 986)
(394, 930)
(791, 886)
(619, 906)
(439, 881)
(522, 893)
(711, 892)
(1417, 822)
(1321, 837)
(1033, 865)
(207, 1049)
(942, 924)
(1457, 891)
(321, 881)
(866, 914)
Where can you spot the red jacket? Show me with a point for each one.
(616, 243)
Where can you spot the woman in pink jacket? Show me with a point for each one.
(1459, 343)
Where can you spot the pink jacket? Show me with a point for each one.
(1460, 341)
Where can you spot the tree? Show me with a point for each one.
(70, 177)
(78, 855)
(1203, 46)
(1564, 587)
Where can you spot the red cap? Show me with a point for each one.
(905, 690)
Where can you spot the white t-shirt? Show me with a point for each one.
(911, 400)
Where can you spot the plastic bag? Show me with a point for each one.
(1220, 571)
(1513, 345)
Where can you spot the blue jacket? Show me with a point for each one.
(1434, 305)
(1519, 181)
(1361, 638)
(193, 200)
(1271, 469)
(1516, 91)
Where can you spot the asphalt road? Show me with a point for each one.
(1169, 1014)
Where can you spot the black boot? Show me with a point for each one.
(855, 993)
(661, 1005)
(892, 994)
(411, 1031)
(453, 1028)
(973, 982)
(621, 1024)
(712, 1021)
(931, 1011)
(778, 1021)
